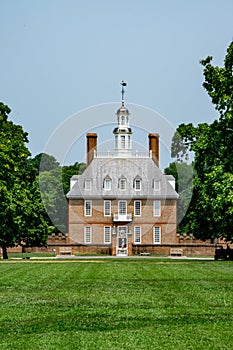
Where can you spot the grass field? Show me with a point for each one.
(116, 304)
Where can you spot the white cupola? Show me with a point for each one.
(123, 133)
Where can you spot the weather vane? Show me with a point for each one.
(123, 91)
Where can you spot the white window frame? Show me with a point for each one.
(87, 234)
(122, 141)
(107, 184)
(120, 212)
(129, 141)
(157, 234)
(137, 211)
(157, 185)
(107, 234)
(87, 211)
(122, 181)
(137, 234)
(87, 184)
(157, 208)
(107, 211)
(136, 182)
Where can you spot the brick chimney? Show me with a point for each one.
(154, 147)
(91, 146)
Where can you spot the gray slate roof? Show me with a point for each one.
(129, 168)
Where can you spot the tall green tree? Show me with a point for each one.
(21, 208)
(183, 174)
(68, 171)
(210, 213)
(43, 162)
(54, 185)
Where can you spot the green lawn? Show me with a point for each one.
(116, 304)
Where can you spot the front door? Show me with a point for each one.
(122, 241)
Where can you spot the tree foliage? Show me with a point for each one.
(21, 208)
(44, 162)
(54, 185)
(183, 174)
(210, 213)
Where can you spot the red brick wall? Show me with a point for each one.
(167, 220)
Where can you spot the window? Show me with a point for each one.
(137, 184)
(157, 235)
(87, 184)
(123, 141)
(122, 184)
(107, 234)
(87, 234)
(137, 234)
(129, 141)
(88, 208)
(107, 208)
(116, 143)
(157, 208)
(107, 184)
(156, 185)
(137, 208)
(122, 208)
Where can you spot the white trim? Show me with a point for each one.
(137, 233)
(157, 208)
(156, 185)
(109, 182)
(122, 181)
(88, 184)
(139, 208)
(119, 209)
(137, 181)
(157, 235)
(87, 211)
(110, 209)
(107, 233)
(86, 234)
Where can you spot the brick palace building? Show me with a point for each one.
(122, 203)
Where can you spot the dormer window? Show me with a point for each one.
(137, 183)
(87, 184)
(107, 183)
(156, 185)
(122, 183)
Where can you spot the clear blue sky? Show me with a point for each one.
(61, 56)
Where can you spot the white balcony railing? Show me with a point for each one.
(122, 217)
(126, 154)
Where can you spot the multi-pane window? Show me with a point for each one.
(123, 141)
(156, 185)
(137, 208)
(157, 208)
(129, 141)
(122, 207)
(107, 184)
(88, 208)
(107, 234)
(87, 234)
(157, 234)
(137, 184)
(107, 208)
(87, 184)
(122, 184)
(137, 234)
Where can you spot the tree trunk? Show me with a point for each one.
(4, 253)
